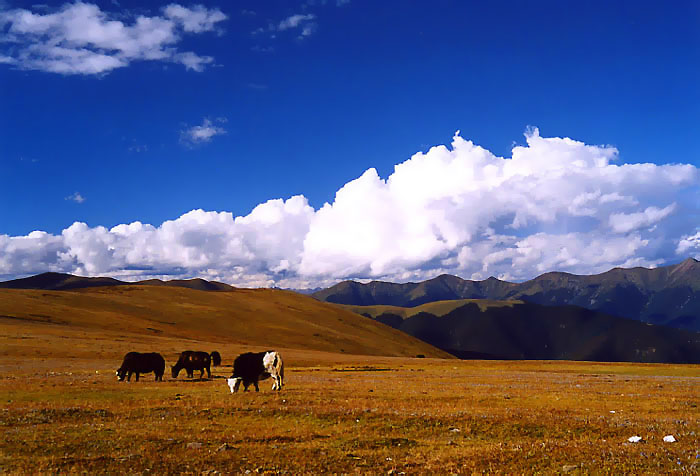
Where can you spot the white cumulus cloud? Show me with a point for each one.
(689, 244)
(626, 222)
(294, 21)
(81, 38)
(465, 210)
(304, 23)
(555, 204)
(76, 197)
(202, 133)
(196, 19)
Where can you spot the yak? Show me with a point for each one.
(190, 361)
(251, 367)
(138, 363)
(215, 358)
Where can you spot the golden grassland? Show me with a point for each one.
(436, 308)
(63, 411)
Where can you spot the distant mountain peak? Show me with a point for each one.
(686, 266)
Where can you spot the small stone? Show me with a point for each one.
(569, 467)
(669, 439)
(194, 446)
(634, 439)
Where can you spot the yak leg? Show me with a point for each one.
(137, 376)
(257, 389)
(208, 372)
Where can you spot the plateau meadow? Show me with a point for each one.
(387, 404)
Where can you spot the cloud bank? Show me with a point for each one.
(80, 38)
(555, 204)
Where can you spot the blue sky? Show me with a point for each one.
(280, 99)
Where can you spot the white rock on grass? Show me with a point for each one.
(634, 439)
(669, 439)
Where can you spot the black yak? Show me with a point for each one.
(190, 361)
(138, 363)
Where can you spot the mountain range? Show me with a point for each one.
(668, 295)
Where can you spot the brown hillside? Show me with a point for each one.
(242, 317)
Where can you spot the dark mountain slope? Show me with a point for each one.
(532, 331)
(668, 295)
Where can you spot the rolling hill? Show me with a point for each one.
(521, 330)
(245, 317)
(668, 295)
(63, 282)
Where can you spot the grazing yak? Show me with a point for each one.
(252, 367)
(215, 358)
(190, 361)
(138, 363)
